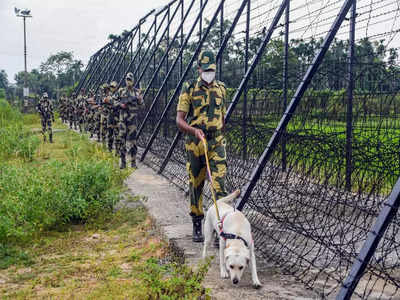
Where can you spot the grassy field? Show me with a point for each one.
(60, 236)
(316, 147)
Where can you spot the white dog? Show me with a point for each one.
(236, 248)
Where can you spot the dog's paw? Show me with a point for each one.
(257, 285)
(224, 274)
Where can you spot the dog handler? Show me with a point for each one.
(200, 114)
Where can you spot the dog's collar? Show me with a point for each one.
(230, 236)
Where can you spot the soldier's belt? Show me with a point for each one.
(212, 134)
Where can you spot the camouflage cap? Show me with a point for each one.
(206, 60)
(45, 95)
(129, 76)
(113, 84)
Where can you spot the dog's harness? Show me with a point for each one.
(229, 236)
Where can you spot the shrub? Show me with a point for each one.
(172, 281)
(17, 141)
(33, 199)
(8, 115)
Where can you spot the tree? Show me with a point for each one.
(63, 67)
(3, 80)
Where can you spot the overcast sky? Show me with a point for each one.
(81, 26)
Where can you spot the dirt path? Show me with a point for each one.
(168, 206)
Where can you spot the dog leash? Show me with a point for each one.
(211, 181)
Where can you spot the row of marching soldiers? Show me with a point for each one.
(112, 118)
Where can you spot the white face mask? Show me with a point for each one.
(208, 76)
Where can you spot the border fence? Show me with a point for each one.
(312, 125)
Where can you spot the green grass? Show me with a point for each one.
(317, 149)
(99, 262)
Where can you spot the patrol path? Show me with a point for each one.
(168, 206)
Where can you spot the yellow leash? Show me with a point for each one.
(210, 178)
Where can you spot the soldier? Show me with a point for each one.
(71, 110)
(62, 107)
(80, 110)
(103, 114)
(112, 115)
(45, 109)
(202, 102)
(129, 99)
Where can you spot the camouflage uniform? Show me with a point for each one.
(80, 111)
(62, 108)
(127, 122)
(112, 111)
(103, 115)
(204, 105)
(96, 121)
(45, 109)
(71, 111)
(205, 108)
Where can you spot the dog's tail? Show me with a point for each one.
(230, 197)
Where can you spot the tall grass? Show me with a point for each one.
(38, 195)
(38, 198)
(15, 139)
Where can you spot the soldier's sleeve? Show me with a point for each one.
(185, 98)
(115, 98)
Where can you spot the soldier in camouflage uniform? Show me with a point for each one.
(103, 114)
(202, 103)
(45, 109)
(96, 120)
(62, 108)
(129, 99)
(71, 111)
(112, 115)
(80, 111)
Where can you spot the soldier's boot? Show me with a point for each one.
(197, 229)
(123, 162)
(110, 148)
(98, 138)
(91, 135)
(44, 138)
(133, 164)
(51, 137)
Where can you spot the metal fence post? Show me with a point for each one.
(221, 37)
(246, 66)
(182, 20)
(385, 217)
(350, 89)
(256, 173)
(285, 79)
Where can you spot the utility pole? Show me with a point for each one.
(24, 13)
